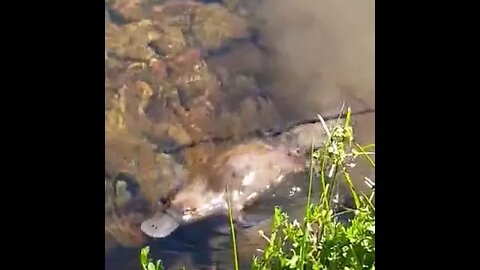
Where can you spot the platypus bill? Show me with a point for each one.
(162, 224)
(246, 171)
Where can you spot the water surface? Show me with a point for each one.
(178, 72)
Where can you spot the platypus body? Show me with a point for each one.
(238, 176)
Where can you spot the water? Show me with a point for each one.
(208, 243)
(208, 82)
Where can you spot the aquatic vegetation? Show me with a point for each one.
(175, 13)
(158, 86)
(155, 174)
(191, 72)
(125, 230)
(158, 69)
(131, 41)
(116, 195)
(114, 117)
(145, 92)
(170, 42)
(213, 25)
(130, 10)
(121, 223)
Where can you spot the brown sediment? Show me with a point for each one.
(125, 230)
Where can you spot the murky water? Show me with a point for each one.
(179, 72)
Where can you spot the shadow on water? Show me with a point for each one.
(190, 245)
(193, 244)
(206, 244)
(199, 245)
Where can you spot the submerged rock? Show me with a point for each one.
(129, 10)
(213, 25)
(175, 13)
(170, 42)
(131, 41)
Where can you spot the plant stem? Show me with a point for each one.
(232, 230)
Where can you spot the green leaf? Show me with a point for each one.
(292, 263)
(159, 265)
(151, 266)
(144, 256)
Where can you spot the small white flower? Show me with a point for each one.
(335, 148)
(295, 223)
(260, 232)
(332, 169)
(336, 198)
(369, 183)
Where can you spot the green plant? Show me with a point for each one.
(146, 262)
(232, 233)
(321, 242)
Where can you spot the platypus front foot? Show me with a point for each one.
(240, 220)
(237, 222)
(243, 221)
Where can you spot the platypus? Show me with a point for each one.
(238, 175)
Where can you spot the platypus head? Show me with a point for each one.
(193, 202)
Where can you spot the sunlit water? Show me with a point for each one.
(207, 244)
